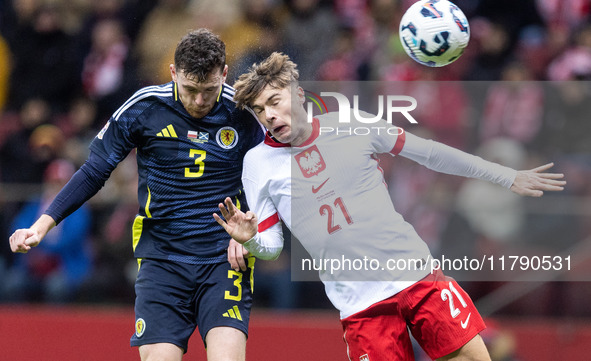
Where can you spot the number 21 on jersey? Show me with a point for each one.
(447, 295)
(329, 211)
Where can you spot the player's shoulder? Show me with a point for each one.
(262, 155)
(330, 119)
(258, 153)
(144, 98)
(227, 100)
(227, 94)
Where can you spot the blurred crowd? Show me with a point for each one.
(67, 65)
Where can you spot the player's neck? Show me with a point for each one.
(305, 130)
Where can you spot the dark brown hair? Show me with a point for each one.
(199, 53)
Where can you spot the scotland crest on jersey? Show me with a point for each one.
(227, 137)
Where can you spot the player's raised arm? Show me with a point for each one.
(445, 159)
(535, 181)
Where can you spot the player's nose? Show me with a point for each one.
(199, 99)
(269, 115)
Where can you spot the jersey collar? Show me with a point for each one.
(271, 141)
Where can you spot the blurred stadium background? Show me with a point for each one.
(66, 65)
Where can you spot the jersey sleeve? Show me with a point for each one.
(114, 142)
(84, 184)
(445, 159)
(386, 138)
(268, 242)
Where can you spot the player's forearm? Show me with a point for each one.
(85, 183)
(442, 158)
(266, 245)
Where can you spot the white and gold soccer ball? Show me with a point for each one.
(434, 32)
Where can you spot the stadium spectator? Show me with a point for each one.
(56, 269)
(4, 71)
(157, 39)
(575, 62)
(45, 63)
(108, 73)
(309, 34)
(269, 41)
(514, 107)
(247, 34)
(345, 61)
(498, 216)
(18, 161)
(79, 125)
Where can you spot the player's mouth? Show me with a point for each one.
(279, 129)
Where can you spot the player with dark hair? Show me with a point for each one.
(329, 191)
(190, 140)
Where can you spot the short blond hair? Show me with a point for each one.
(277, 70)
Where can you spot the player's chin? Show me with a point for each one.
(198, 113)
(282, 138)
(282, 134)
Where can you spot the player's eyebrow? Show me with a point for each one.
(261, 105)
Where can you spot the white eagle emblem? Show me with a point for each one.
(310, 161)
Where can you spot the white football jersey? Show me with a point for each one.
(331, 194)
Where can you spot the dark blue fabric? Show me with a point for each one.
(85, 183)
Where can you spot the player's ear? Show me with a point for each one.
(301, 96)
(224, 73)
(173, 72)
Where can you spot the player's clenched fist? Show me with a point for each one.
(22, 240)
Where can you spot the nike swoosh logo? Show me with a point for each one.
(465, 323)
(316, 189)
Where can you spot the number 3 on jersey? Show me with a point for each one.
(199, 156)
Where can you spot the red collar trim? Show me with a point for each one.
(315, 133)
(270, 141)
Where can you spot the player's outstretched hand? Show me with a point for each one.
(535, 181)
(22, 240)
(239, 225)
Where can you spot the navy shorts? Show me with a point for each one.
(172, 299)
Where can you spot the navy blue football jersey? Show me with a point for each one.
(186, 167)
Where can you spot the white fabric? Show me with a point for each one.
(338, 175)
(266, 245)
(442, 158)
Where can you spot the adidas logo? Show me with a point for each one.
(167, 132)
(233, 313)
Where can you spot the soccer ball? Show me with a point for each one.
(434, 32)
